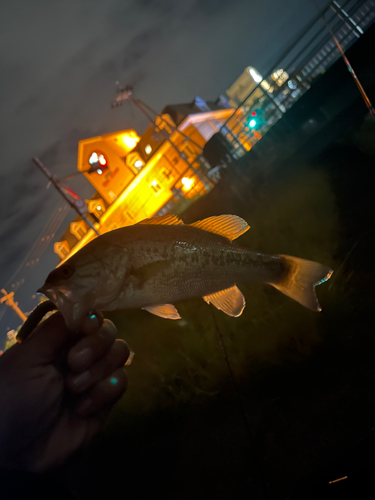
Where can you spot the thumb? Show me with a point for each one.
(47, 339)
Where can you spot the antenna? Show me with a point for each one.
(123, 94)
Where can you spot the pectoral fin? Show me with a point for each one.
(230, 301)
(167, 311)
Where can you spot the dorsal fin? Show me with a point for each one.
(229, 226)
(167, 220)
(230, 301)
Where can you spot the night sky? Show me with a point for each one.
(59, 64)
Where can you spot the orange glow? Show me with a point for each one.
(144, 188)
(337, 480)
(102, 160)
(188, 183)
(133, 185)
(130, 140)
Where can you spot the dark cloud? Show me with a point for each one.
(17, 253)
(139, 46)
(60, 60)
(28, 104)
(49, 155)
(211, 8)
(16, 191)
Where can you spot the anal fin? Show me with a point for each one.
(230, 301)
(167, 311)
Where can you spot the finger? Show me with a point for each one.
(47, 339)
(93, 347)
(115, 358)
(103, 394)
(92, 322)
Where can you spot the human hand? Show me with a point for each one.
(56, 391)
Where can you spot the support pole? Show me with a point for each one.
(56, 184)
(8, 299)
(364, 96)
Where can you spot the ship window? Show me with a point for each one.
(155, 186)
(78, 229)
(61, 248)
(129, 214)
(97, 208)
(168, 174)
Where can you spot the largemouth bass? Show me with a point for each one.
(161, 261)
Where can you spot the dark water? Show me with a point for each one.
(278, 402)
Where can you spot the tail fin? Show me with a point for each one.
(300, 280)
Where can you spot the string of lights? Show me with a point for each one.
(40, 245)
(42, 242)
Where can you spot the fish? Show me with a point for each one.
(161, 261)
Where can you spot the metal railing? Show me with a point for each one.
(311, 53)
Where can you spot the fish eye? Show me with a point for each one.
(66, 271)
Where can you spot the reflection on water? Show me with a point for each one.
(300, 379)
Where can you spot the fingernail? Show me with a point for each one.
(130, 358)
(84, 356)
(96, 316)
(84, 406)
(81, 380)
(92, 321)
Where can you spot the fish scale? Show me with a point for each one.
(161, 261)
(201, 263)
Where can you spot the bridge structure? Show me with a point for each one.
(315, 49)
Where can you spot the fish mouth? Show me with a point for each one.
(49, 292)
(72, 311)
